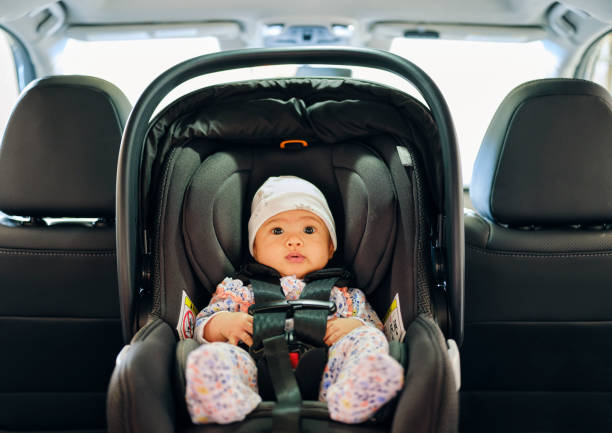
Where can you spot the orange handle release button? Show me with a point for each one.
(283, 144)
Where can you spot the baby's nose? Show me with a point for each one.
(294, 241)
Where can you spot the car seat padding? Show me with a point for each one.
(216, 206)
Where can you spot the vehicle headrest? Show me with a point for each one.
(546, 156)
(59, 151)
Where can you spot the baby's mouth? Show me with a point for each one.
(295, 257)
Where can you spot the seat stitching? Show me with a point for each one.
(55, 253)
(535, 254)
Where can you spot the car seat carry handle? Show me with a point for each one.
(130, 181)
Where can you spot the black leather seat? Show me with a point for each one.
(59, 313)
(538, 301)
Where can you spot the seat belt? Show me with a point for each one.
(270, 340)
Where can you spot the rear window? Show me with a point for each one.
(597, 63)
(474, 76)
(9, 87)
(129, 64)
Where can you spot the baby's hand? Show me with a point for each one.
(338, 328)
(230, 327)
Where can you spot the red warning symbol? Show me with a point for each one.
(188, 324)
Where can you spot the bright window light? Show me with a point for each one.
(9, 88)
(130, 64)
(474, 78)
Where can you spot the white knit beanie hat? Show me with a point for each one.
(284, 193)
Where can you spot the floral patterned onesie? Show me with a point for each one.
(358, 379)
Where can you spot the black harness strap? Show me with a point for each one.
(267, 323)
(286, 413)
(310, 325)
(269, 336)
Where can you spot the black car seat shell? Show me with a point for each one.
(203, 158)
(538, 257)
(59, 311)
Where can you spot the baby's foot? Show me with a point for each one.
(360, 392)
(220, 384)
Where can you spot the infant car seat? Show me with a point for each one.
(389, 171)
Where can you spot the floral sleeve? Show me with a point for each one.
(353, 303)
(231, 295)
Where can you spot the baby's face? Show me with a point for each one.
(294, 242)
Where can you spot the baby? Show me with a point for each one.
(291, 230)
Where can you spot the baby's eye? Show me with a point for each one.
(277, 231)
(309, 230)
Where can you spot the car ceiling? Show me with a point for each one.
(490, 12)
(487, 11)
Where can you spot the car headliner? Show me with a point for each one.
(491, 12)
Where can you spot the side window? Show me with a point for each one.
(596, 65)
(9, 86)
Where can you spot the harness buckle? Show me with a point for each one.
(296, 348)
(294, 358)
(292, 306)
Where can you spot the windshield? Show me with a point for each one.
(474, 76)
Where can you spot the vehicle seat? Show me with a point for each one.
(538, 305)
(60, 327)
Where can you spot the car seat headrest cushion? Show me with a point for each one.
(213, 213)
(356, 183)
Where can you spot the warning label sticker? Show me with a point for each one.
(186, 322)
(393, 324)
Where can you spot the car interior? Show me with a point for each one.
(462, 147)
